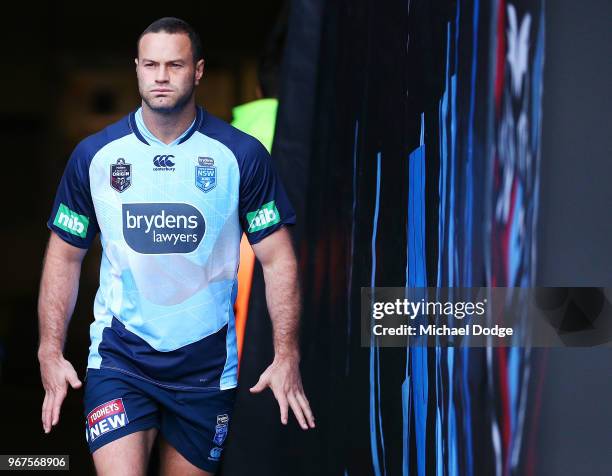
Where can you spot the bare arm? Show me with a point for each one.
(279, 265)
(275, 252)
(58, 292)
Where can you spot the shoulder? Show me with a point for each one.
(87, 148)
(243, 145)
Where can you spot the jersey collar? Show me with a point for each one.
(145, 135)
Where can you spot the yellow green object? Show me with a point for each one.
(257, 118)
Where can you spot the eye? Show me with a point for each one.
(176, 65)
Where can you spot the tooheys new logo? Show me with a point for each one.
(162, 228)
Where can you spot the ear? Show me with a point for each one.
(136, 62)
(199, 71)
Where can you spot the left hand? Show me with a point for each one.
(283, 378)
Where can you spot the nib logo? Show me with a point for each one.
(71, 222)
(262, 218)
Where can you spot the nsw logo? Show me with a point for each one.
(162, 228)
(163, 162)
(206, 174)
(263, 217)
(221, 429)
(121, 175)
(106, 417)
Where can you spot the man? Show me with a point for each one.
(170, 189)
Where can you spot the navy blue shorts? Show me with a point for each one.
(194, 422)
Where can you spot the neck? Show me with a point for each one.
(167, 127)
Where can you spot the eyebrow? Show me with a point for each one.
(169, 61)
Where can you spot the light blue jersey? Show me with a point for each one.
(170, 219)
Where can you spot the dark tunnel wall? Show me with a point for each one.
(422, 170)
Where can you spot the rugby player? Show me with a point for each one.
(169, 188)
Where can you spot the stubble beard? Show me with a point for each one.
(179, 105)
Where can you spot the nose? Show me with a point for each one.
(161, 74)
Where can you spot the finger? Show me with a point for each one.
(47, 415)
(73, 379)
(44, 411)
(57, 404)
(282, 403)
(261, 384)
(297, 411)
(303, 401)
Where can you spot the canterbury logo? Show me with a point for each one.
(163, 161)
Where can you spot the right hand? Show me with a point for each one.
(56, 373)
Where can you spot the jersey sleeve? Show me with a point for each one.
(73, 217)
(264, 206)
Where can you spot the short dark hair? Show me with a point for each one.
(175, 25)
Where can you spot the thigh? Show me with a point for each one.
(171, 462)
(125, 456)
(196, 424)
(121, 419)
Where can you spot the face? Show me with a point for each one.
(167, 75)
